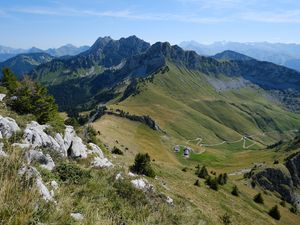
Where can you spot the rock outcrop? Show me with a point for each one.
(2, 152)
(142, 184)
(100, 161)
(283, 179)
(45, 161)
(8, 127)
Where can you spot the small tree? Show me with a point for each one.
(222, 178)
(9, 80)
(197, 183)
(203, 173)
(212, 183)
(235, 191)
(258, 198)
(226, 220)
(142, 165)
(274, 212)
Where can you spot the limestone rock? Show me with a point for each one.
(77, 148)
(101, 163)
(8, 127)
(2, 153)
(37, 156)
(54, 185)
(77, 216)
(2, 96)
(142, 184)
(96, 150)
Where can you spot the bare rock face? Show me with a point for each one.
(100, 161)
(35, 135)
(70, 145)
(45, 161)
(8, 127)
(2, 96)
(293, 165)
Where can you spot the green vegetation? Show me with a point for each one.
(142, 165)
(117, 151)
(202, 173)
(71, 173)
(29, 97)
(226, 219)
(235, 191)
(274, 212)
(212, 183)
(258, 198)
(197, 183)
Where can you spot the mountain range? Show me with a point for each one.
(282, 54)
(229, 112)
(69, 49)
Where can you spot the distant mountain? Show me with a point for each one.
(104, 54)
(281, 54)
(108, 70)
(66, 50)
(24, 63)
(231, 55)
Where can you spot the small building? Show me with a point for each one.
(176, 148)
(186, 152)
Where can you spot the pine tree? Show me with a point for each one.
(203, 173)
(258, 198)
(235, 191)
(142, 165)
(274, 212)
(9, 80)
(197, 183)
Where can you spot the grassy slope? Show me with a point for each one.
(187, 107)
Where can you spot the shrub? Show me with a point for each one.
(212, 183)
(235, 191)
(274, 212)
(197, 183)
(226, 219)
(9, 80)
(184, 169)
(258, 198)
(142, 165)
(117, 151)
(222, 178)
(71, 173)
(293, 209)
(202, 173)
(283, 203)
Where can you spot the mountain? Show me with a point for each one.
(104, 54)
(24, 63)
(189, 113)
(66, 50)
(209, 95)
(231, 55)
(278, 53)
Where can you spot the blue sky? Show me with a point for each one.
(51, 23)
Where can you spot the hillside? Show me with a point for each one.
(74, 174)
(24, 63)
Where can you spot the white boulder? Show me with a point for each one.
(2, 96)
(119, 176)
(142, 184)
(37, 156)
(30, 172)
(54, 185)
(101, 163)
(77, 148)
(169, 200)
(2, 153)
(77, 216)
(8, 127)
(96, 150)
(35, 135)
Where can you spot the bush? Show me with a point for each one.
(117, 151)
(197, 183)
(9, 80)
(235, 191)
(184, 169)
(294, 209)
(202, 173)
(258, 198)
(222, 179)
(226, 220)
(274, 212)
(212, 183)
(142, 165)
(71, 173)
